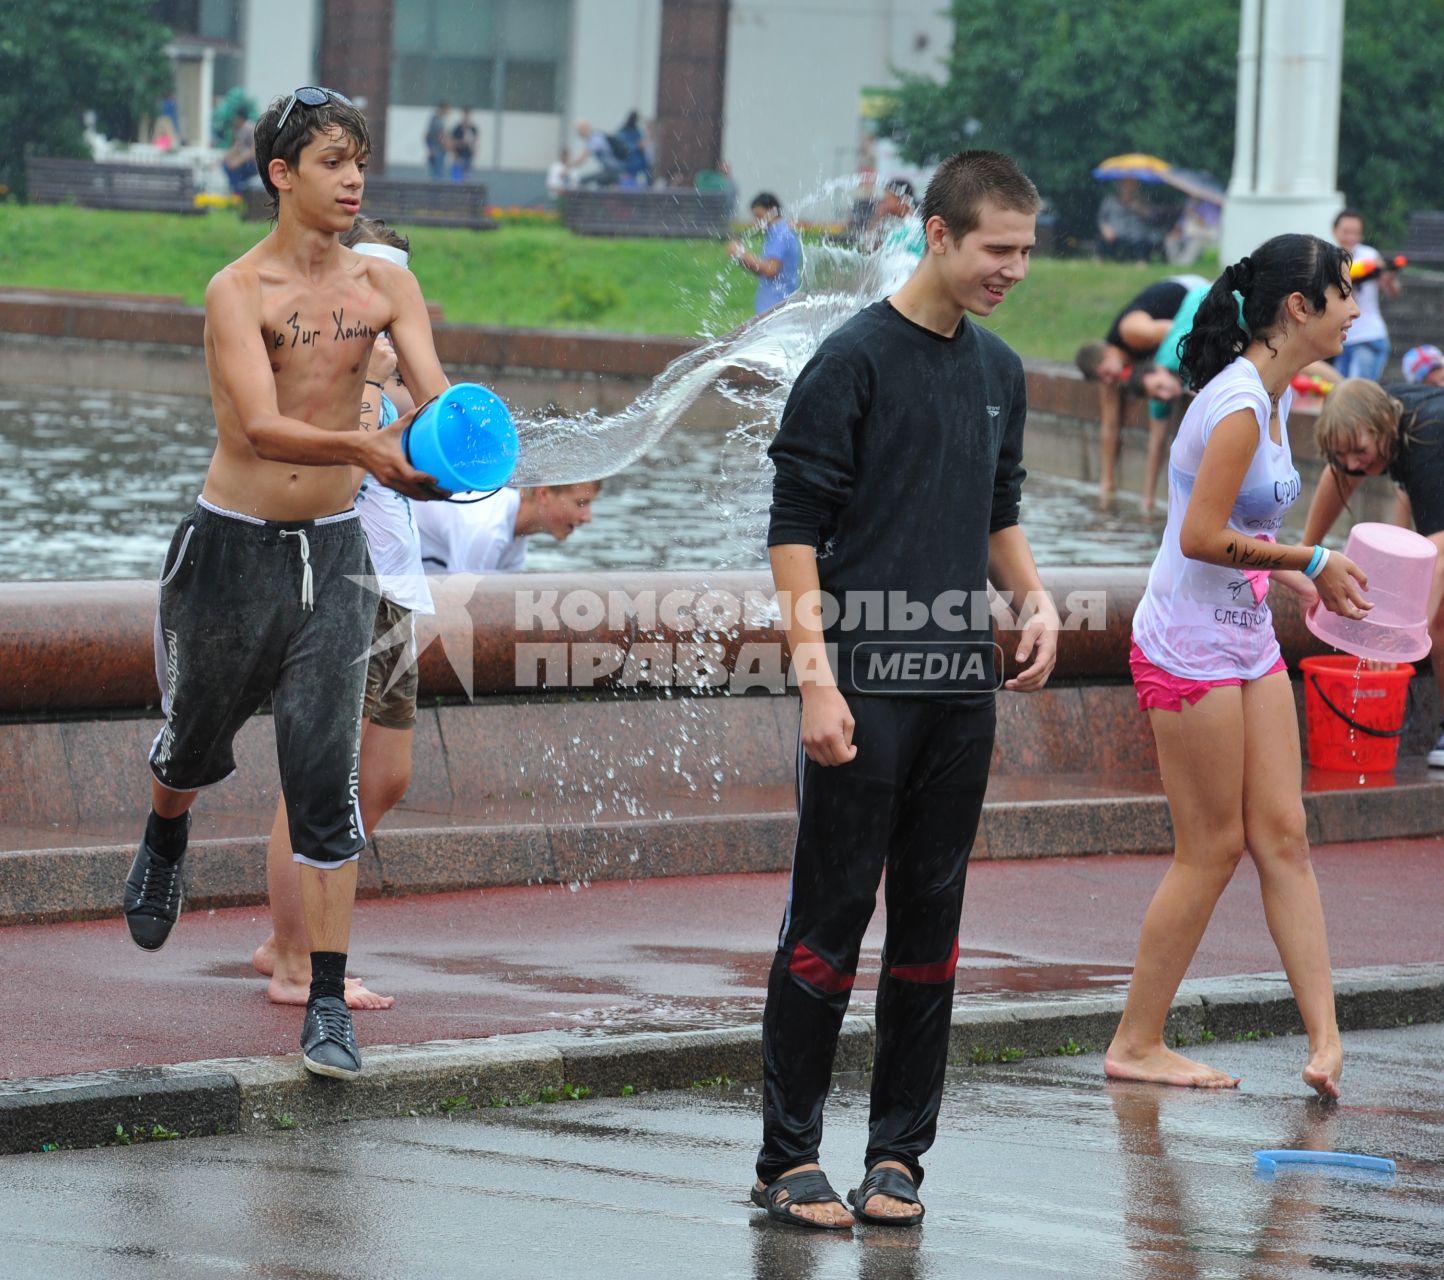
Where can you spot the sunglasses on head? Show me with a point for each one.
(310, 95)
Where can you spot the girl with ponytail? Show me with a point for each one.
(1206, 664)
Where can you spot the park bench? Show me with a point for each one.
(1425, 245)
(105, 185)
(405, 204)
(665, 212)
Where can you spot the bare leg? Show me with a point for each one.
(1277, 838)
(385, 771)
(285, 956)
(1153, 462)
(327, 898)
(1201, 758)
(1110, 417)
(168, 803)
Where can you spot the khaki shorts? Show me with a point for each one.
(391, 673)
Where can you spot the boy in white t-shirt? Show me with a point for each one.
(1366, 350)
(490, 536)
(389, 709)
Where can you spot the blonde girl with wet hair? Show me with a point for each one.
(1368, 430)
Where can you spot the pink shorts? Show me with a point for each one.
(1158, 688)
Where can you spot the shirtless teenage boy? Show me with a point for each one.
(263, 593)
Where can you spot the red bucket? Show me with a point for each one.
(1354, 717)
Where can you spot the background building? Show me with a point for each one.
(774, 87)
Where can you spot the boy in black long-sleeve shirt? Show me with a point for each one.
(899, 469)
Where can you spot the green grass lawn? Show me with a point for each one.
(532, 276)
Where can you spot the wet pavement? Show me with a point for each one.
(663, 954)
(1041, 1169)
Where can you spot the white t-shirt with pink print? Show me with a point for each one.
(1206, 621)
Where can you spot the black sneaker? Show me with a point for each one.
(153, 897)
(328, 1043)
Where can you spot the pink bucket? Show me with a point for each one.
(1399, 564)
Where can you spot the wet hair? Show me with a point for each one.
(1359, 403)
(1347, 213)
(303, 124)
(374, 231)
(766, 200)
(966, 181)
(1264, 280)
(1090, 359)
(903, 188)
(563, 488)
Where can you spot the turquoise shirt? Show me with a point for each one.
(1167, 357)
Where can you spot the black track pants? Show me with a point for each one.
(909, 802)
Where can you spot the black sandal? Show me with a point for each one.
(810, 1186)
(883, 1180)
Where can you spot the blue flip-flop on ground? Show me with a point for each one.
(1270, 1160)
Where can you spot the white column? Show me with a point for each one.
(1285, 175)
(271, 67)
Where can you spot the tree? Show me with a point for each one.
(1391, 131)
(1062, 84)
(61, 58)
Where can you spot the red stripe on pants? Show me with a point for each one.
(811, 967)
(942, 971)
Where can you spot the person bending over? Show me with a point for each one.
(491, 536)
(1367, 430)
(1135, 336)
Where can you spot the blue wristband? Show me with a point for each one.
(1313, 565)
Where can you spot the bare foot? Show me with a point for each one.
(1323, 1071)
(279, 991)
(881, 1206)
(1160, 1065)
(263, 959)
(830, 1213)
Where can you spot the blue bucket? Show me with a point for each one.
(465, 438)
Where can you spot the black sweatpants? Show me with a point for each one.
(908, 802)
(251, 609)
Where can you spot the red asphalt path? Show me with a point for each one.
(642, 955)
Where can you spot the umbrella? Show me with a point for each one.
(1145, 168)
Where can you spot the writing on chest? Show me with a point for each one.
(298, 330)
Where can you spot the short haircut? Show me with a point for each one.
(766, 200)
(1347, 213)
(374, 231)
(902, 187)
(571, 484)
(1090, 359)
(303, 124)
(966, 181)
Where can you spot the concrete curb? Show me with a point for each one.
(250, 1095)
(55, 885)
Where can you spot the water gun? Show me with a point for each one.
(1370, 267)
(1308, 385)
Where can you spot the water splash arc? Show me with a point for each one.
(772, 348)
